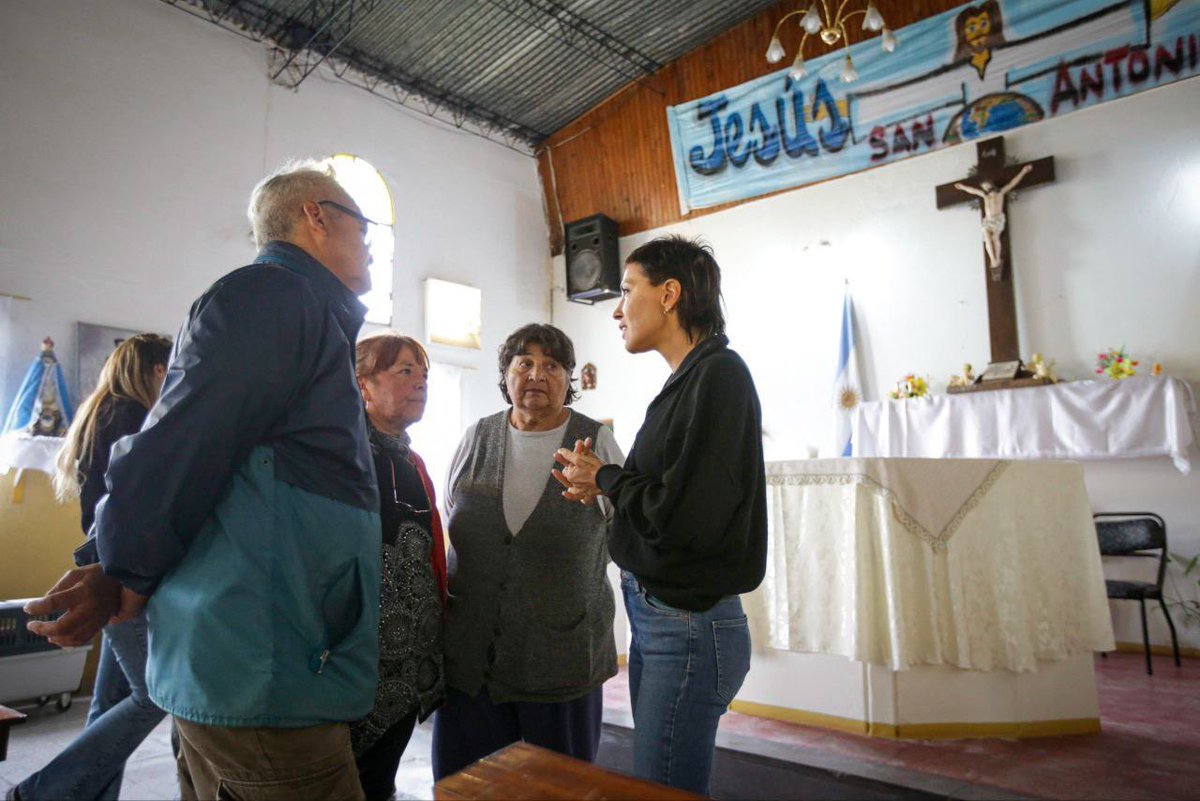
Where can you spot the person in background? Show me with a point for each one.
(529, 625)
(121, 713)
(393, 375)
(245, 511)
(690, 523)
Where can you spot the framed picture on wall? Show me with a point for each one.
(93, 344)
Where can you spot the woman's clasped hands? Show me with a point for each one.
(578, 472)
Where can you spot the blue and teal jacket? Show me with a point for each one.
(247, 506)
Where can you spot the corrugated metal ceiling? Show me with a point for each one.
(516, 69)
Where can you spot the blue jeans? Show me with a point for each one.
(684, 669)
(120, 717)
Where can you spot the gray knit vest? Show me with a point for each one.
(530, 616)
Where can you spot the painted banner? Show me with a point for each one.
(972, 71)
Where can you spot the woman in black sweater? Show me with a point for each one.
(121, 714)
(690, 524)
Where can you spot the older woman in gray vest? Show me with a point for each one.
(529, 624)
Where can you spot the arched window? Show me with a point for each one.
(364, 183)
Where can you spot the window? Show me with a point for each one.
(436, 436)
(364, 183)
(453, 314)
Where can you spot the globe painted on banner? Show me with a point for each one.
(992, 114)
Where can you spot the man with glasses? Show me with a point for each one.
(246, 512)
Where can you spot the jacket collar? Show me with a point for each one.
(704, 348)
(347, 308)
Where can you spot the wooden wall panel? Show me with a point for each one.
(616, 158)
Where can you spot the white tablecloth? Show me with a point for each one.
(1076, 420)
(1005, 574)
(27, 452)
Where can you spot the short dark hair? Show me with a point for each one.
(553, 342)
(691, 263)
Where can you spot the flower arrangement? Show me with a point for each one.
(1041, 368)
(1116, 364)
(911, 386)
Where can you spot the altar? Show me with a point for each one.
(1131, 418)
(929, 598)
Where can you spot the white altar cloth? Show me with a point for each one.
(27, 452)
(1074, 420)
(1007, 574)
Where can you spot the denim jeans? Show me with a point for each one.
(120, 717)
(684, 669)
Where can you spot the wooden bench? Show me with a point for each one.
(524, 771)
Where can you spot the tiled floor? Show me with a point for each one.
(1149, 746)
(1149, 749)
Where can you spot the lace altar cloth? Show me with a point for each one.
(1107, 419)
(977, 564)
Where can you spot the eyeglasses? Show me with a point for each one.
(365, 223)
(408, 507)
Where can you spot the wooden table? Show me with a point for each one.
(8, 717)
(524, 771)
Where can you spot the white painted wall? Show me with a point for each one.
(1107, 256)
(133, 134)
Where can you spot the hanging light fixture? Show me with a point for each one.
(821, 20)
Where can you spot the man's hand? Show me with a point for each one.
(89, 599)
(131, 606)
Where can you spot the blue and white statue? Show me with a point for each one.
(42, 407)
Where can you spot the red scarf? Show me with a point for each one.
(438, 556)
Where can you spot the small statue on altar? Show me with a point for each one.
(41, 408)
(1041, 368)
(966, 379)
(994, 220)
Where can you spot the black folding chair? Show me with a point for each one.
(1137, 535)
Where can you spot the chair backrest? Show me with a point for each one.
(1133, 534)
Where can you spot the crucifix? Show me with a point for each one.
(989, 185)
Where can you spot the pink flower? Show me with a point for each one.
(1098, 371)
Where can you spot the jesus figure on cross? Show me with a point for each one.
(993, 213)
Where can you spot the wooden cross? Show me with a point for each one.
(1001, 300)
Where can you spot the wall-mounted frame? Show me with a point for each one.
(93, 345)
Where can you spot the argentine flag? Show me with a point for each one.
(847, 384)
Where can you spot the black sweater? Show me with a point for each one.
(115, 418)
(691, 502)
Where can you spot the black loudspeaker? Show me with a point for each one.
(593, 267)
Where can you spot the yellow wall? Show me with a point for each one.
(37, 537)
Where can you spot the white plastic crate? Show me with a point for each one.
(31, 667)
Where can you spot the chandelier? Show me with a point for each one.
(831, 27)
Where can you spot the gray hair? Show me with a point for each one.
(276, 203)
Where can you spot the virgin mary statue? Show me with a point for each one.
(42, 407)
